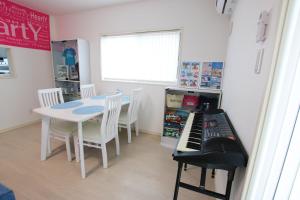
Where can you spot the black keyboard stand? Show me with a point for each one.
(213, 173)
(201, 188)
(185, 166)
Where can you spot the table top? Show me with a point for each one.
(68, 114)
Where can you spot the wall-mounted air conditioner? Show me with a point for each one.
(225, 6)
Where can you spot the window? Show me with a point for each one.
(149, 57)
(5, 63)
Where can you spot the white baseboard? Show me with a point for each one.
(150, 132)
(168, 142)
(20, 126)
(39, 120)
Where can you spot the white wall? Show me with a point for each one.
(204, 38)
(19, 94)
(243, 89)
(33, 69)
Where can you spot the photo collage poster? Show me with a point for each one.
(211, 76)
(189, 74)
(201, 75)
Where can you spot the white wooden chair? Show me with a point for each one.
(130, 116)
(87, 91)
(97, 135)
(60, 130)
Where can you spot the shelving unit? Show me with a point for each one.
(71, 66)
(175, 118)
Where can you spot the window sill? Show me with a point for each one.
(158, 83)
(7, 76)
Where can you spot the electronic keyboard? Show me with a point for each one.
(209, 140)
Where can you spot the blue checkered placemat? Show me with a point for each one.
(125, 98)
(87, 110)
(71, 104)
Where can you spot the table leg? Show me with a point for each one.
(81, 152)
(44, 137)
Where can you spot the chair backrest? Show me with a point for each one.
(87, 91)
(135, 100)
(109, 125)
(50, 97)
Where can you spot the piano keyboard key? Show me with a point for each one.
(197, 140)
(191, 136)
(193, 146)
(195, 135)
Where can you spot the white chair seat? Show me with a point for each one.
(123, 118)
(63, 128)
(91, 132)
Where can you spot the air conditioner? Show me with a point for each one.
(225, 6)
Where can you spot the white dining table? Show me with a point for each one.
(67, 114)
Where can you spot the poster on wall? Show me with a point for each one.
(211, 75)
(23, 27)
(189, 74)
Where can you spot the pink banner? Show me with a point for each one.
(23, 27)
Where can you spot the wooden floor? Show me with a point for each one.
(144, 170)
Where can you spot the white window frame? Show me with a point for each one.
(164, 83)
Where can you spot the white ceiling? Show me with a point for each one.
(60, 7)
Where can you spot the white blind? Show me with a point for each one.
(149, 56)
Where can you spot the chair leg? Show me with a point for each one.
(117, 145)
(136, 128)
(49, 145)
(75, 139)
(129, 132)
(68, 148)
(104, 155)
